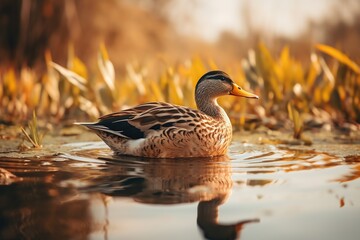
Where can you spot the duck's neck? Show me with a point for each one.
(210, 107)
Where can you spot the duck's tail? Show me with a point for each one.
(94, 126)
(98, 127)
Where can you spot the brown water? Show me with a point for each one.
(91, 194)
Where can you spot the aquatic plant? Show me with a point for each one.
(34, 137)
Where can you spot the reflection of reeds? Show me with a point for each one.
(60, 94)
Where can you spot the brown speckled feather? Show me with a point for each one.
(163, 130)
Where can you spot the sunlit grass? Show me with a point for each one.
(34, 137)
(288, 89)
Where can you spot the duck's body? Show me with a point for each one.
(163, 130)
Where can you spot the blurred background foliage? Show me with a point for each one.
(75, 60)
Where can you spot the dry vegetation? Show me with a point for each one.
(322, 93)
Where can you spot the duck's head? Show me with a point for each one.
(217, 83)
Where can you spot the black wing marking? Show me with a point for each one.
(120, 126)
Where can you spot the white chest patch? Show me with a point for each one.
(133, 145)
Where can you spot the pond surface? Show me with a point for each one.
(88, 193)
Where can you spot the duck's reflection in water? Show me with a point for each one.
(207, 220)
(172, 181)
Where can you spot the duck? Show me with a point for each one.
(164, 130)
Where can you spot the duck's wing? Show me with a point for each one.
(131, 112)
(135, 123)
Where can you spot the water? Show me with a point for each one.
(90, 194)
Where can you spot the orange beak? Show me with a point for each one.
(238, 91)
